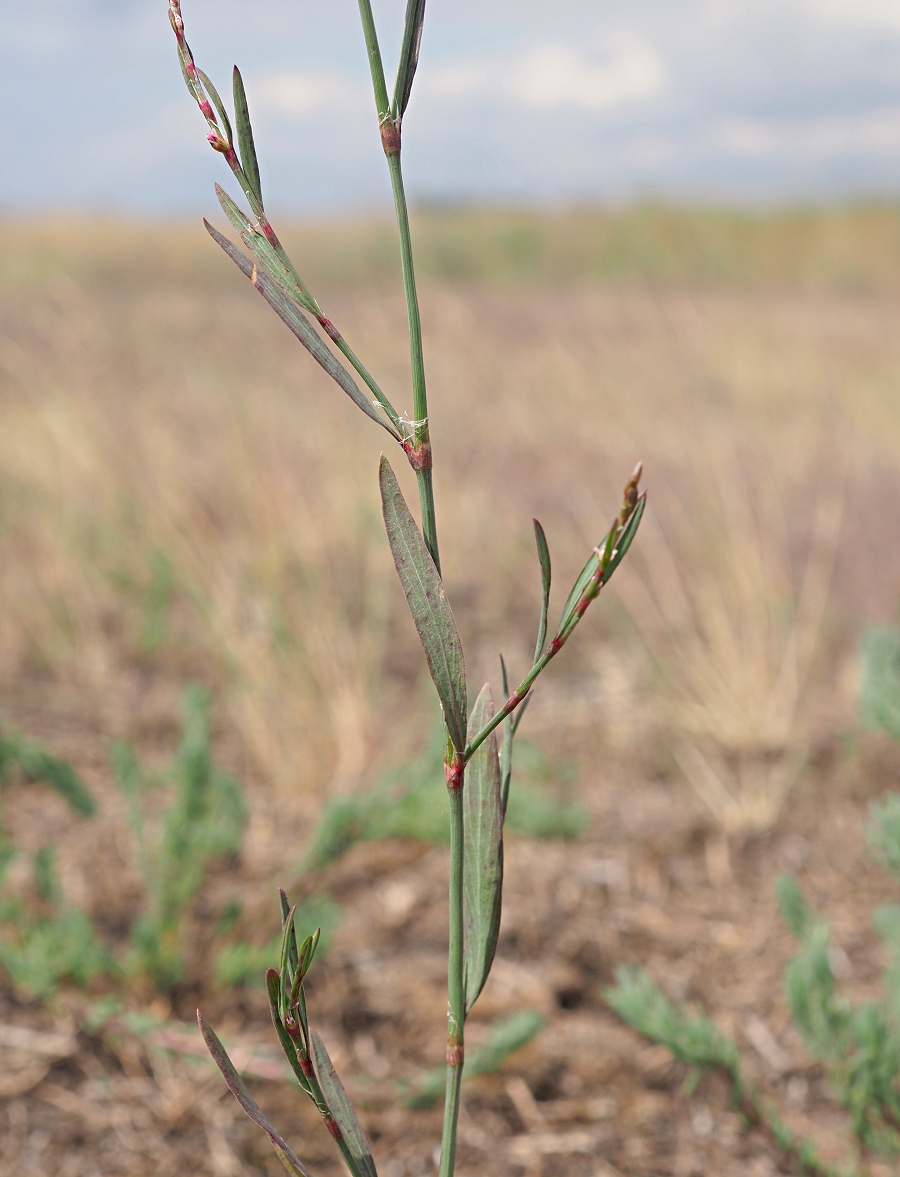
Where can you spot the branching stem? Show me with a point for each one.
(420, 452)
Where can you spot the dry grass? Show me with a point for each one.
(170, 459)
(183, 497)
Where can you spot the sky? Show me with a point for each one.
(516, 101)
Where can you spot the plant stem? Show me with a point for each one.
(390, 139)
(376, 67)
(456, 983)
(421, 427)
(517, 697)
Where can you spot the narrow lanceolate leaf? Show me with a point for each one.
(544, 558)
(238, 1089)
(622, 544)
(584, 576)
(506, 751)
(273, 987)
(275, 263)
(483, 861)
(342, 1109)
(409, 56)
(428, 605)
(629, 531)
(278, 268)
(217, 103)
(246, 148)
(235, 214)
(291, 315)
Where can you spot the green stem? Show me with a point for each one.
(456, 983)
(456, 986)
(518, 696)
(417, 362)
(566, 628)
(342, 346)
(390, 138)
(421, 427)
(382, 102)
(321, 1103)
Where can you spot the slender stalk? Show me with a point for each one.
(379, 86)
(421, 426)
(331, 1124)
(420, 453)
(518, 696)
(456, 982)
(420, 457)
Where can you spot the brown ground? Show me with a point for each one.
(151, 407)
(652, 883)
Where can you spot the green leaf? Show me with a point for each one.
(584, 576)
(291, 315)
(506, 751)
(879, 695)
(287, 916)
(238, 1089)
(520, 712)
(483, 861)
(40, 765)
(279, 269)
(428, 605)
(273, 987)
(235, 214)
(341, 1108)
(794, 909)
(409, 56)
(218, 104)
(246, 149)
(623, 543)
(544, 557)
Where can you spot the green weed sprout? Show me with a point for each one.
(204, 822)
(696, 1041)
(44, 944)
(477, 761)
(858, 1043)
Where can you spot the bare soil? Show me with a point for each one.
(652, 883)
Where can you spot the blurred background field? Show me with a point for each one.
(184, 499)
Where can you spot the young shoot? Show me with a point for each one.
(478, 744)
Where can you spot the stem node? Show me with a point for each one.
(390, 136)
(419, 455)
(455, 1056)
(454, 773)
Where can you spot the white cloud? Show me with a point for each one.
(553, 76)
(874, 133)
(298, 94)
(877, 13)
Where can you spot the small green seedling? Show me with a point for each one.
(697, 1042)
(45, 941)
(857, 1042)
(204, 822)
(477, 743)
